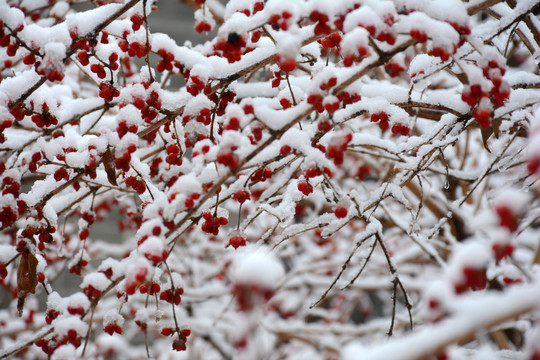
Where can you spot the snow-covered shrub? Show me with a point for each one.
(317, 177)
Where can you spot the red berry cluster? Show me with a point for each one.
(249, 295)
(500, 91)
(441, 53)
(463, 31)
(242, 196)
(156, 258)
(312, 172)
(305, 187)
(386, 37)
(232, 48)
(256, 134)
(277, 79)
(337, 146)
(286, 63)
(10, 186)
(321, 20)
(502, 250)
(179, 344)
(474, 278)
(330, 42)
(7, 123)
(108, 92)
(51, 315)
(507, 217)
(122, 162)
(533, 164)
(316, 100)
(393, 69)
(174, 157)
(382, 118)
(419, 35)
(190, 201)
(285, 103)
(172, 296)
(113, 328)
(136, 183)
(328, 84)
(237, 241)
(472, 94)
(136, 22)
(78, 267)
(148, 106)
(91, 292)
(45, 118)
(255, 36)
(122, 128)
(228, 158)
(76, 310)
(60, 174)
(203, 26)
(166, 62)
(400, 129)
(285, 150)
(212, 223)
(150, 287)
(358, 55)
(134, 283)
(331, 104)
(261, 175)
(49, 346)
(346, 98)
(99, 70)
(196, 85)
(280, 21)
(134, 49)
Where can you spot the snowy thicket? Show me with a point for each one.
(320, 179)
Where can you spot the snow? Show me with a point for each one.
(69, 322)
(471, 315)
(258, 266)
(98, 280)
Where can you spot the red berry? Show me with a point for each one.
(340, 212)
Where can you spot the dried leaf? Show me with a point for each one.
(486, 133)
(26, 278)
(109, 167)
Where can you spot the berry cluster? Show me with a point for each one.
(337, 146)
(321, 20)
(419, 35)
(280, 21)
(382, 118)
(166, 63)
(305, 187)
(474, 278)
(172, 296)
(203, 26)
(261, 175)
(228, 158)
(174, 157)
(286, 62)
(44, 118)
(212, 223)
(190, 201)
(113, 328)
(231, 48)
(136, 183)
(107, 91)
(237, 241)
(150, 287)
